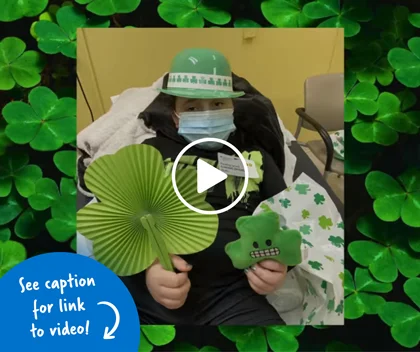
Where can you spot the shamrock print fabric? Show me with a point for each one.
(306, 206)
(337, 139)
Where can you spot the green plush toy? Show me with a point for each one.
(262, 238)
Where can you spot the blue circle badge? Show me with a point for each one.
(66, 302)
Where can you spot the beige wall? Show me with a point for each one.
(275, 61)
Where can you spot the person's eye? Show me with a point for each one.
(219, 104)
(192, 108)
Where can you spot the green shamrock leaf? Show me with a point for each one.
(414, 19)
(368, 60)
(187, 347)
(4, 140)
(5, 234)
(359, 97)
(192, 13)
(407, 63)
(336, 241)
(344, 16)
(403, 319)
(246, 338)
(14, 168)
(18, 66)
(68, 187)
(46, 193)
(394, 20)
(244, 23)
(315, 265)
(14, 10)
(305, 229)
(325, 222)
(305, 214)
(61, 37)
(414, 239)
(302, 189)
(319, 199)
(279, 338)
(359, 298)
(66, 162)
(110, 7)
(395, 199)
(387, 254)
(10, 207)
(46, 123)
(407, 98)
(286, 13)
(382, 129)
(49, 15)
(155, 335)
(62, 226)
(285, 203)
(11, 254)
(337, 346)
(359, 156)
(30, 224)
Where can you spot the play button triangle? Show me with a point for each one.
(208, 176)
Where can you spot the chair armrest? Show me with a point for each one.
(323, 133)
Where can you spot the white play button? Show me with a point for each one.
(208, 176)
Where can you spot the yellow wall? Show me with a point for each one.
(275, 61)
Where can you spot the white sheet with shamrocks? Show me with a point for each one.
(317, 283)
(337, 139)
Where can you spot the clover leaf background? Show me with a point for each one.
(14, 170)
(193, 13)
(278, 338)
(5, 234)
(46, 123)
(155, 335)
(14, 10)
(395, 20)
(379, 46)
(110, 7)
(286, 13)
(402, 317)
(359, 97)
(395, 199)
(61, 37)
(11, 254)
(388, 253)
(18, 66)
(407, 63)
(383, 128)
(62, 225)
(359, 294)
(368, 59)
(344, 16)
(340, 346)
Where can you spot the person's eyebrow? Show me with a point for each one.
(190, 101)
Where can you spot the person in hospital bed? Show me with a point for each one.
(198, 100)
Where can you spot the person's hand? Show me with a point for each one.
(168, 288)
(266, 276)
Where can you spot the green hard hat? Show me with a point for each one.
(200, 73)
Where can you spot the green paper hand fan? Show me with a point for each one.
(139, 217)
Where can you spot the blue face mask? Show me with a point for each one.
(195, 125)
